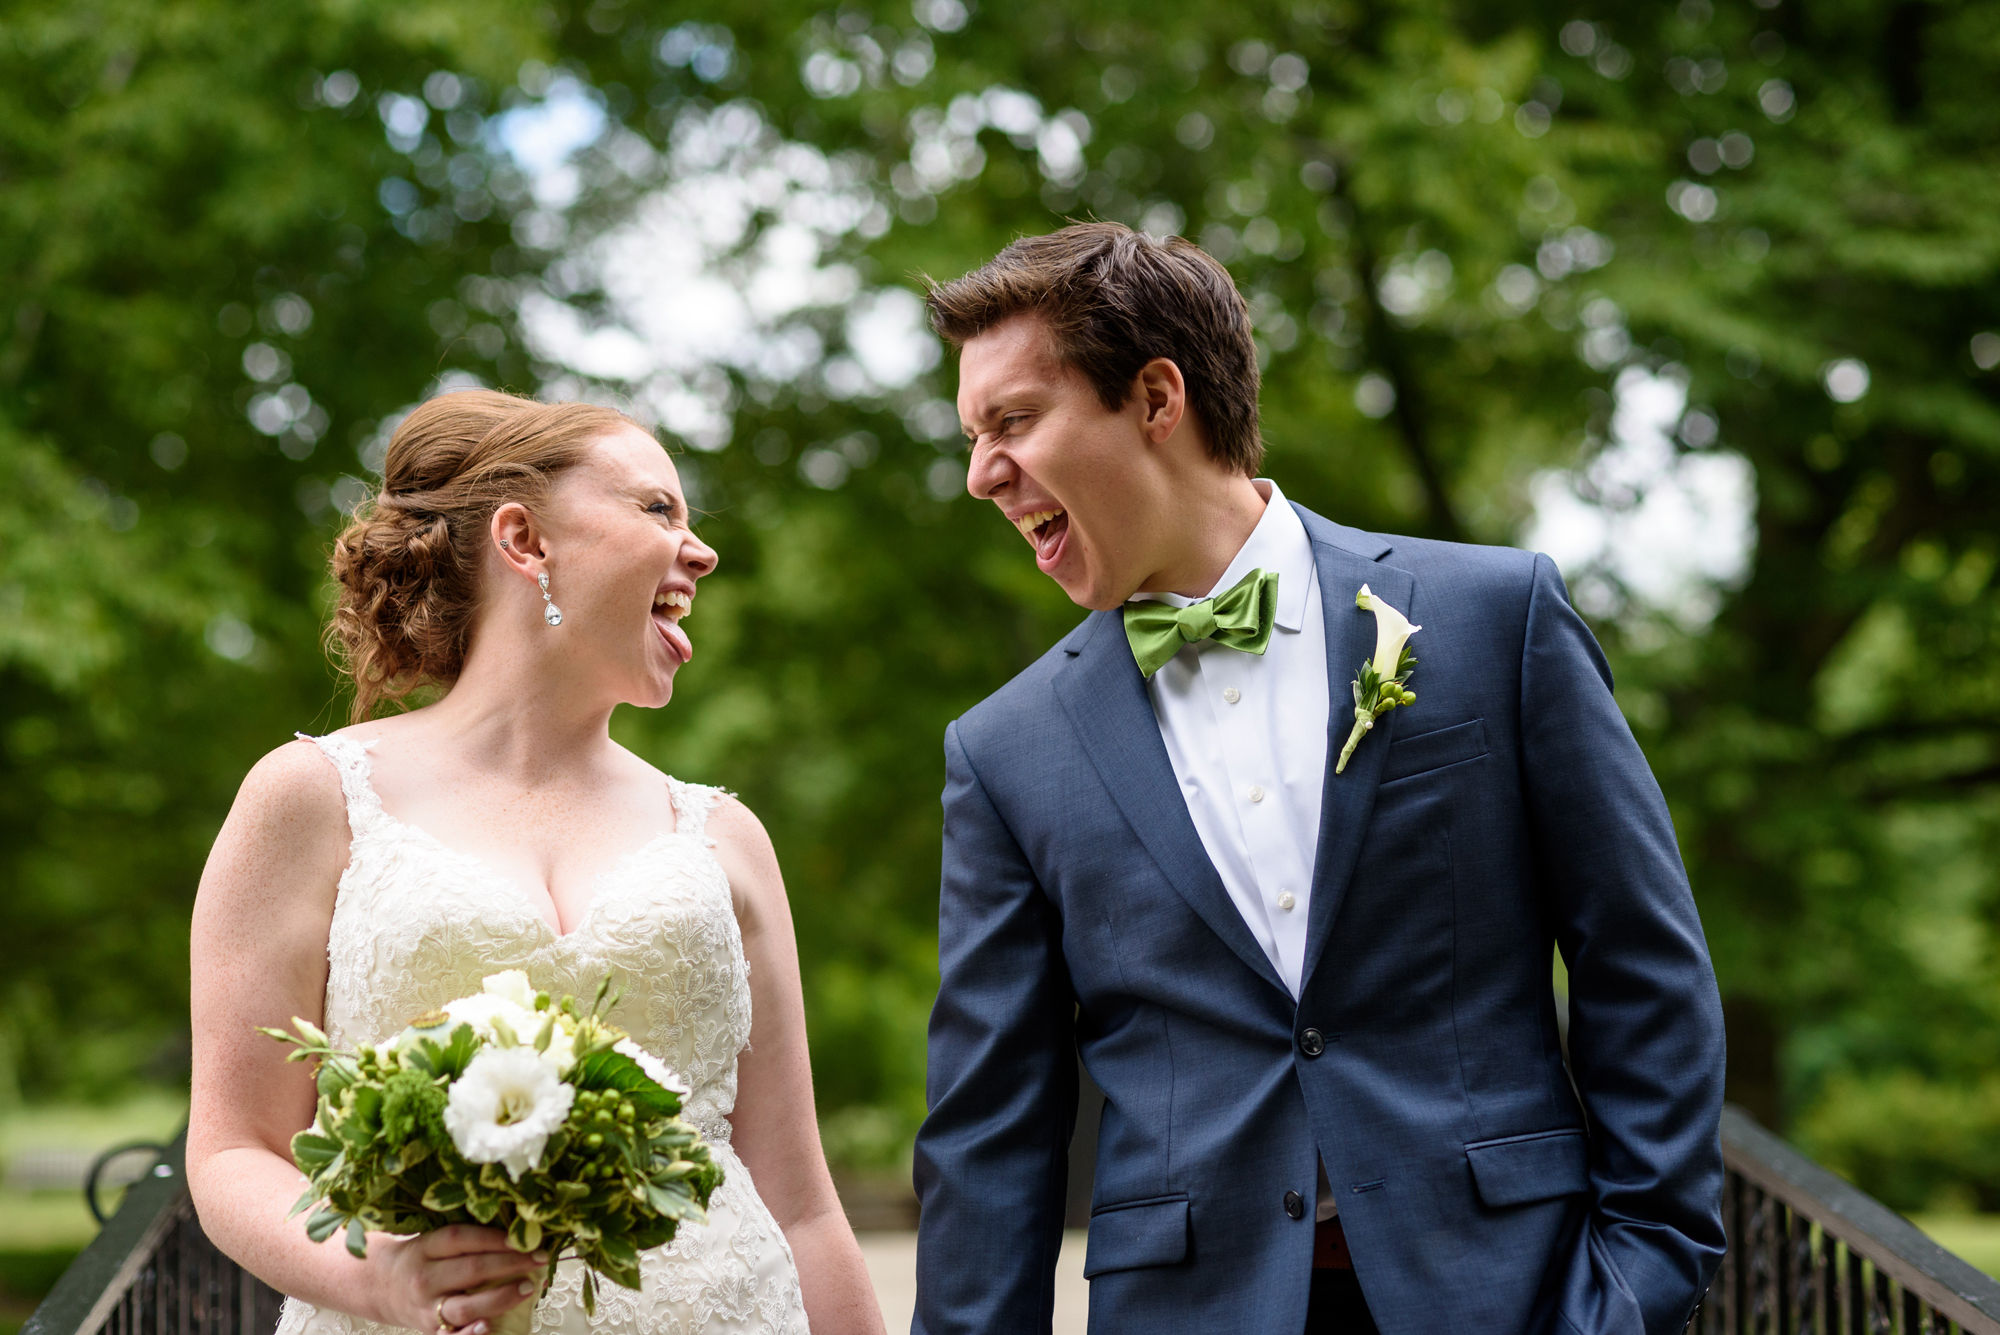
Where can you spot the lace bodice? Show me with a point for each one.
(417, 923)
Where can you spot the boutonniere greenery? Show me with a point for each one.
(1381, 684)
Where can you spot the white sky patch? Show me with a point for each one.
(725, 267)
(889, 336)
(543, 136)
(1644, 525)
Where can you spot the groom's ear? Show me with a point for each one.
(1161, 395)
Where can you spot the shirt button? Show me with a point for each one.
(1256, 793)
(1231, 694)
(1295, 1205)
(1286, 902)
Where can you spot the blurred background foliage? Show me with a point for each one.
(1699, 297)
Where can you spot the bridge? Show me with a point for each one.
(1809, 1254)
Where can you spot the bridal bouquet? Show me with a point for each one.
(511, 1109)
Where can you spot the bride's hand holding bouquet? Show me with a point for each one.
(508, 1110)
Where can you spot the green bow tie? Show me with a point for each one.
(1240, 617)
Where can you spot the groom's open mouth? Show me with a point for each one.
(669, 606)
(1045, 531)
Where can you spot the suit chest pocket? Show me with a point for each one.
(1410, 757)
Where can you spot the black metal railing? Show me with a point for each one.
(1809, 1255)
(152, 1271)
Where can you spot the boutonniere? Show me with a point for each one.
(1379, 686)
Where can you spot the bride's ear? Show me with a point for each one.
(518, 539)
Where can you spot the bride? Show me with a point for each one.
(535, 561)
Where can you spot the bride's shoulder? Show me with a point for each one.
(743, 848)
(731, 822)
(288, 825)
(293, 784)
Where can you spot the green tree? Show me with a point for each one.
(204, 303)
(1469, 235)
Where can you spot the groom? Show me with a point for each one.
(1316, 995)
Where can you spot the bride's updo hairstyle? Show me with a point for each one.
(408, 566)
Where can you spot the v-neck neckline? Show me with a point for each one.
(486, 867)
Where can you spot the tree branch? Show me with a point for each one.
(1389, 351)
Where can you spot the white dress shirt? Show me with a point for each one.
(1247, 738)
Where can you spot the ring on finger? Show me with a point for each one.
(444, 1327)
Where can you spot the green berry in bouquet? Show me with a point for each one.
(511, 1109)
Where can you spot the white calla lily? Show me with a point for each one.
(1392, 631)
(1379, 685)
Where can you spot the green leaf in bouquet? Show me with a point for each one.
(322, 1224)
(363, 1105)
(445, 1195)
(482, 1207)
(357, 1239)
(569, 1192)
(618, 1259)
(335, 1075)
(446, 1060)
(524, 1234)
(616, 1071)
(589, 1294)
(654, 1232)
(312, 1152)
(674, 1202)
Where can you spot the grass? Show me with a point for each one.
(42, 1231)
(40, 1220)
(1974, 1237)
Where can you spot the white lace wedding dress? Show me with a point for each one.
(417, 923)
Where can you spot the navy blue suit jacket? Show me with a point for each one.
(1508, 809)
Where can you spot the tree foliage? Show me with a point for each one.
(1466, 231)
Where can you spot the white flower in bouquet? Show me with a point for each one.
(495, 1018)
(505, 1107)
(511, 985)
(663, 1075)
(586, 1124)
(505, 1014)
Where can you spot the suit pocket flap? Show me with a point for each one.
(1536, 1167)
(1141, 1233)
(1434, 750)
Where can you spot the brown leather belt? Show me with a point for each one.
(1330, 1247)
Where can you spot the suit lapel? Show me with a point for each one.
(1348, 559)
(1106, 701)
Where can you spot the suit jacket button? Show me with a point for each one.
(1312, 1042)
(1295, 1205)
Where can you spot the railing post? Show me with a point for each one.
(152, 1271)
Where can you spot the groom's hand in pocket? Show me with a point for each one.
(465, 1274)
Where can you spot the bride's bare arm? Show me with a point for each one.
(774, 1127)
(259, 957)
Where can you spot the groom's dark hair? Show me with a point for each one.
(1113, 299)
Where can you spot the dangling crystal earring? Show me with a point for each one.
(550, 612)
